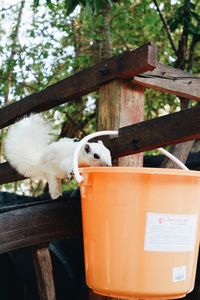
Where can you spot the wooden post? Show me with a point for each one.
(120, 104)
(44, 273)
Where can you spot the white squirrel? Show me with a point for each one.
(29, 150)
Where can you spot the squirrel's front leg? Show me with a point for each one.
(54, 187)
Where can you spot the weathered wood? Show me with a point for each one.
(132, 112)
(125, 65)
(28, 225)
(167, 130)
(44, 273)
(121, 105)
(8, 174)
(170, 80)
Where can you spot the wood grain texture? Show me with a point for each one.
(120, 105)
(170, 80)
(8, 174)
(37, 223)
(167, 130)
(44, 273)
(72, 88)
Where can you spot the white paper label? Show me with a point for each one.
(170, 232)
(179, 273)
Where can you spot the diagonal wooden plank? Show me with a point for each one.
(72, 88)
(167, 130)
(8, 174)
(170, 80)
(39, 223)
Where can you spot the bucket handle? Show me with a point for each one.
(173, 158)
(80, 178)
(77, 175)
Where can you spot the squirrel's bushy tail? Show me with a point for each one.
(25, 142)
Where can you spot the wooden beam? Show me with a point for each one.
(170, 80)
(167, 130)
(72, 88)
(8, 174)
(41, 222)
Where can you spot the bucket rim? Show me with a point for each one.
(139, 170)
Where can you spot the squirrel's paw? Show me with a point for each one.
(70, 173)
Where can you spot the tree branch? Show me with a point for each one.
(9, 7)
(65, 129)
(23, 84)
(195, 40)
(165, 26)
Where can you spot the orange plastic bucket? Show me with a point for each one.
(141, 231)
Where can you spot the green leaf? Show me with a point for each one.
(49, 4)
(196, 16)
(192, 5)
(32, 34)
(36, 3)
(174, 24)
(70, 5)
(193, 30)
(83, 2)
(110, 2)
(89, 7)
(98, 5)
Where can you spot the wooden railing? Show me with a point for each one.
(121, 81)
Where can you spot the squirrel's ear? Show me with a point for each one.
(100, 142)
(87, 148)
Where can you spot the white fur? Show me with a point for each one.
(29, 150)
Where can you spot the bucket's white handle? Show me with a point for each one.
(173, 158)
(77, 175)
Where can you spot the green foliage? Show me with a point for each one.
(92, 6)
(186, 15)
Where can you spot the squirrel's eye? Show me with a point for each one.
(96, 156)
